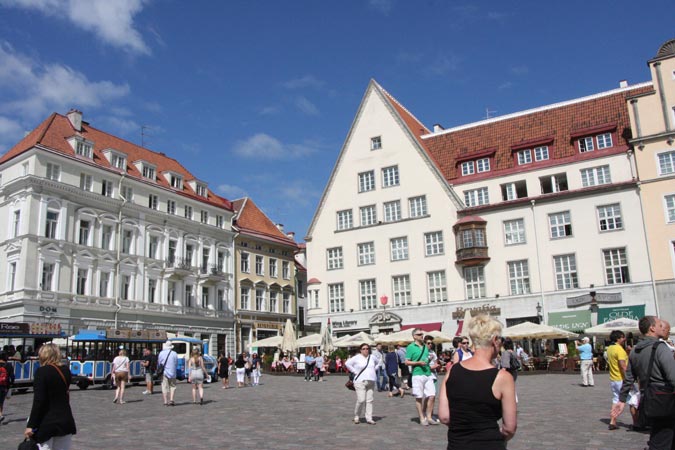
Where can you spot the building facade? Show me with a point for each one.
(102, 233)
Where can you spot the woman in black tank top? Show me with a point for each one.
(475, 394)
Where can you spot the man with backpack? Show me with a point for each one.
(149, 363)
(6, 381)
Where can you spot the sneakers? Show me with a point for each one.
(424, 422)
(146, 392)
(371, 422)
(356, 421)
(433, 421)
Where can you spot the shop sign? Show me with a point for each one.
(574, 321)
(14, 328)
(621, 312)
(272, 325)
(492, 310)
(587, 299)
(344, 323)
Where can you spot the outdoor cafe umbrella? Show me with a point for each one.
(622, 324)
(400, 337)
(327, 338)
(529, 330)
(440, 337)
(355, 340)
(273, 341)
(288, 342)
(311, 340)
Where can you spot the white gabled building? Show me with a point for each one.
(527, 216)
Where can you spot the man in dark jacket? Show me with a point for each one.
(662, 434)
(6, 381)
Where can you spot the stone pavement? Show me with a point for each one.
(288, 413)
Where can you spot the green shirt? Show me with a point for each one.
(416, 353)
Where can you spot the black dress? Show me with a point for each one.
(474, 410)
(51, 414)
(222, 373)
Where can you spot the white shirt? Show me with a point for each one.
(120, 364)
(357, 362)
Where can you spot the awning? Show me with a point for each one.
(431, 326)
(620, 312)
(575, 321)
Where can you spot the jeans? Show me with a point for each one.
(393, 384)
(381, 379)
(309, 371)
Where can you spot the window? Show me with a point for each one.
(616, 266)
(118, 161)
(483, 165)
(553, 183)
(344, 219)
(604, 140)
(586, 145)
(16, 226)
(418, 206)
(127, 237)
(476, 197)
(670, 207)
(53, 172)
(399, 248)
(11, 282)
(85, 227)
(85, 182)
(376, 143)
(188, 212)
(220, 221)
(47, 277)
(541, 153)
(512, 191)
(514, 231)
(273, 268)
(171, 256)
(51, 224)
(274, 301)
(171, 207)
(437, 290)
(148, 172)
(259, 265)
(433, 243)
(286, 299)
(220, 261)
(153, 202)
(152, 290)
(205, 297)
(204, 217)
(400, 286)
(474, 278)
(368, 291)
(595, 176)
(245, 297)
(176, 181)
(390, 176)
(524, 157)
(666, 163)
(260, 299)
(189, 254)
(188, 296)
(106, 188)
(368, 215)
(127, 193)
(206, 255)
(392, 211)
(106, 237)
(244, 263)
(220, 298)
(560, 224)
(336, 297)
(519, 277)
(83, 149)
(366, 181)
(286, 270)
(366, 253)
(334, 258)
(104, 284)
(202, 191)
(467, 168)
(82, 281)
(153, 246)
(565, 272)
(609, 217)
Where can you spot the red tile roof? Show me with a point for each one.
(55, 131)
(251, 220)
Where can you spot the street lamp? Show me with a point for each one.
(539, 317)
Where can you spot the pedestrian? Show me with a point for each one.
(405, 372)
(662, 432)
(617, 361)
(509, 360)
(196, 374)
(167, 365)
(6, 382)
(224, 370)
(462, 350)
(255, 369)
(149, 363)
(120, 373)
(247, 369)
(391, 368)
(309, 365)
(475, 395)
(381, 373)
(240, 366)
(318, 367)
(363, 365)
(434, 362)
(586, 356)
(423, 389)
(51, 423)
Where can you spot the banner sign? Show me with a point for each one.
(621, 312)
(574, 321)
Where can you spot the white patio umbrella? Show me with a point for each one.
(622, 324)
(440, 337)
(288, 342)
(400, 337)
(273, 341)
(356, 340)
(529, 330)
(311, 340)
(327, 344)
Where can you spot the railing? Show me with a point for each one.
(472, 253)
(179, 263)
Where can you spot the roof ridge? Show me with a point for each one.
(392, 98)
(42, 135)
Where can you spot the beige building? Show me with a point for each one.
(652, 116)
(265, 275)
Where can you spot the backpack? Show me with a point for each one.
(515, 363)
(4, 376)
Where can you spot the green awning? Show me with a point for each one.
(575, 321)
(621, 312)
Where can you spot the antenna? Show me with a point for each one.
(488, 111)
(143, 134)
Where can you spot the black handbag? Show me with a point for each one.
(28, 444)
(656, 401)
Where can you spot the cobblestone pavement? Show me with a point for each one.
(286, 412)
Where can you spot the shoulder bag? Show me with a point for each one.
(350, 383)
(656, 401)
(160, 370)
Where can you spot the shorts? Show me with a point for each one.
(423, 386)
(634, 397)
(615, 386)
(148, 377)
(121, 376)
(168, 384)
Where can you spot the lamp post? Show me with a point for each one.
(539, 317)
(594, 308)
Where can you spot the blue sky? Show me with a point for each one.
(256, 97)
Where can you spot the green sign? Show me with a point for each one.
(620, 312)
(574, 321)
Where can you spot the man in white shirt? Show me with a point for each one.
(167, 363)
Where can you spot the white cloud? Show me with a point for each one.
(382, 6)
(306, 81)
(505, 85)
(264, 146)
(307, 107)
(269, 110)
(442, 65)
(11, 132)
(231, 192)
(298, 192)
(520, 70)
(111, 21)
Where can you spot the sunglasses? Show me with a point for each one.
(365, 348)
(465, 343)
(429, 343)
(418, 334)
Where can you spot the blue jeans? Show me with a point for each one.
(381, 379)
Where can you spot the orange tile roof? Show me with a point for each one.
(251, 220)
(54, 132)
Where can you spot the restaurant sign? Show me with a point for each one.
(621, 312)
(574, 321)
(344, 323)
(489, 309)
(17, 328)
(587, 299)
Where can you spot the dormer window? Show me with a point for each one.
(82, 147)
(597, 141)
(148, 172)
(117, 161)
(467, 168)
(483, 165)
(586, 144)
(524, 157)
(176, 181)
(201, 190)
(476, 163)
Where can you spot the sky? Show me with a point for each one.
(257, 97)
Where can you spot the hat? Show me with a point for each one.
(167, 345)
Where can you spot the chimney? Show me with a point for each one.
(438, 127)
(280, 227)
(623, 84)
(75, 118)
(291, 235)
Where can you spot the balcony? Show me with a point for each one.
(472, 255)
(178, 267)
(470, 241)
(213, 273)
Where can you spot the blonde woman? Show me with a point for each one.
(475, 394)
(51, 421)
(120, 372)
(196, 371)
